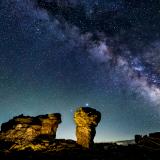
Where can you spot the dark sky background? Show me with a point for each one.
(56, 55)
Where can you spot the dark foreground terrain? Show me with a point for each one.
(68, 149)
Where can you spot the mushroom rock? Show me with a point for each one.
(86, 120)
(23, 129)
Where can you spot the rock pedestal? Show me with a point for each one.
(86, 120)
(25, 129)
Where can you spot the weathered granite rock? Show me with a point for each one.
(25, 129)
(86, 120)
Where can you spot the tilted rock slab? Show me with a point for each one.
(25, 129)
(86, 120)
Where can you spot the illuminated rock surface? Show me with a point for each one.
(86, 120)
(23, 130)
(32, 138)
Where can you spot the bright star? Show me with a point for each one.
(86, 104)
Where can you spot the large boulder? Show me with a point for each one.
(86, 120)
(25, 129)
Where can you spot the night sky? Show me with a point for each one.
(56, 55)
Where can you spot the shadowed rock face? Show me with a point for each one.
(86, 120)
(24, 129)
(151, 141)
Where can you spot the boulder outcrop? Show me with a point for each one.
(86, 120)
(151, 141)
(25, 129)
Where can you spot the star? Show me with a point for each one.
(107, 53)
(86, 104)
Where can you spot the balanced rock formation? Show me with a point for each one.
(86, 120)
(25, 129)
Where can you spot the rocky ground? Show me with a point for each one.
(68, 149)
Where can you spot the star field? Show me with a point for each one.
(96, 53)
